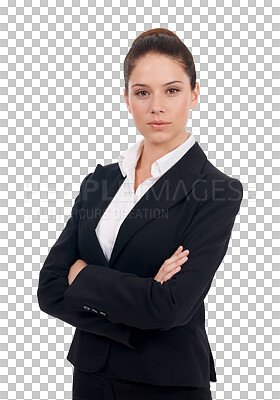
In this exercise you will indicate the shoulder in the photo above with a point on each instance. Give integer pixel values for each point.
(212, 173)
(219, 185)
(99, 173)
(113, 167)
(98, 170)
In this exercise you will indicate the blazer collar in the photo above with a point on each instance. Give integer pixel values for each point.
(128, 159)
(175, 184)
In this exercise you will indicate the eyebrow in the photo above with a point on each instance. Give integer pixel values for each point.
(168, 83)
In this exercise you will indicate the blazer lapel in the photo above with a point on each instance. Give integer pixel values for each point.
(105, 185)
(169, 189)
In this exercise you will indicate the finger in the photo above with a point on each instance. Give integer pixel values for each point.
(179, 261)
(171, 263)
(174, 267)
(171, 273)
(179, 254)
(176, 257)
(180, 248)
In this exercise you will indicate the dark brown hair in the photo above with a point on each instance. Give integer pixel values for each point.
(159, 41)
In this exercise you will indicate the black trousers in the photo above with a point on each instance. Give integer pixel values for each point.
(105, 384)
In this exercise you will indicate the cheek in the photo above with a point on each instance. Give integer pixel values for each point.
(181, 111)
(137, 110)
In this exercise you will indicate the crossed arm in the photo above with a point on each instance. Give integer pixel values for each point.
(53, 283)
(143, 302)
(137, 302)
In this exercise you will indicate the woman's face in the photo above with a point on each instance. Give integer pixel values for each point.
(151, 98)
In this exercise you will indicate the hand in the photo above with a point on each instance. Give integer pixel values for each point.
(172, 265)
(75, 269)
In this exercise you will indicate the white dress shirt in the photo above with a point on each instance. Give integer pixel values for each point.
(125, 198)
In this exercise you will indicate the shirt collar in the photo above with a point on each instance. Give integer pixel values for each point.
(128, 159)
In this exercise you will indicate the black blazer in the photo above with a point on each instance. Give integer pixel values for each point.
(156, 333)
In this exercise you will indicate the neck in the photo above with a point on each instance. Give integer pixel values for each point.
(152, 152)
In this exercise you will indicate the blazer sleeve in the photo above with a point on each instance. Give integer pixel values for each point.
(53, 282)
(146, 303)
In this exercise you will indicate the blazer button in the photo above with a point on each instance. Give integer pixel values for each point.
(103, 313)
(95, 310)
(86, 307)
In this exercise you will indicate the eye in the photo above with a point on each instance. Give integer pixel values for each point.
(144, 91)
(141, 91)
(174, 89)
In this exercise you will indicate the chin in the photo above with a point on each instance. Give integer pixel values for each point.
(158, 137)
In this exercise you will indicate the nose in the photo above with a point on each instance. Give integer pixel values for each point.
(156, 107)
(156, 103)
(157, 111)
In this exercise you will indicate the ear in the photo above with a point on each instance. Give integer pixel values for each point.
(195, 96)
(126, 101)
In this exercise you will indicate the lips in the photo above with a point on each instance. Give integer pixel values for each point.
(160, 121)
(159, 125)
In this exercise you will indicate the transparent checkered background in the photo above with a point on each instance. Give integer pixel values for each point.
(63, 112)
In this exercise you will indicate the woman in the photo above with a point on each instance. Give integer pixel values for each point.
(133, 279)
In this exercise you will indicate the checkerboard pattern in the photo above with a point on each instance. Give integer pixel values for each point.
(63, 112)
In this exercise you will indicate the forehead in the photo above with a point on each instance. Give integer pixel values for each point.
(157, 69)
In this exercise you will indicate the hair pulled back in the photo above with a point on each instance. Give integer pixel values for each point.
(159, 41)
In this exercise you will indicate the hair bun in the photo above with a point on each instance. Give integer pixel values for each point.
(157, 31)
